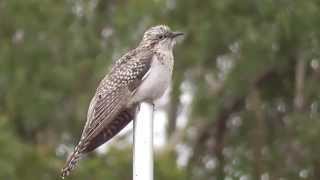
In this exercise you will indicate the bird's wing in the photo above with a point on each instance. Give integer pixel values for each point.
(114, 92)
(118, 123)
(108, 112)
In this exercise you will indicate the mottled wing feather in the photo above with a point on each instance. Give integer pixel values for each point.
(105, 113)
(119, 122)
(109, 105)
(115, 91)
(94, 128)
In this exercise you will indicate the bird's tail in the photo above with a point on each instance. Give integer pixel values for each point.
(71, 162)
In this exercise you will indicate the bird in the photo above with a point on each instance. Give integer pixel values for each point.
(141, 75)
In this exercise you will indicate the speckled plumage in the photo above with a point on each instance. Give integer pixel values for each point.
(142, 74)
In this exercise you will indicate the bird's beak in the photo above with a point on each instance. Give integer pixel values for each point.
(176, 34)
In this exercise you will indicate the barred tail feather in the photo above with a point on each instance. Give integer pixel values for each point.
(89, 144)
(71, 162)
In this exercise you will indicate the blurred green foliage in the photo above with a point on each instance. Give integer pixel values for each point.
(251, 67)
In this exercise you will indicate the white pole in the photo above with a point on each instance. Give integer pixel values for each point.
(143, 143)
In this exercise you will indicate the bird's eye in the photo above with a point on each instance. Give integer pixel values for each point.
(161, 36)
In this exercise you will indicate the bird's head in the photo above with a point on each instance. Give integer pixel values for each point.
(160, 36)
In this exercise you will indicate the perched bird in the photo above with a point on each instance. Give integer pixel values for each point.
(141, 75)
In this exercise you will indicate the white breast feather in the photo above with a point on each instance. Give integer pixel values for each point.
(156, 81)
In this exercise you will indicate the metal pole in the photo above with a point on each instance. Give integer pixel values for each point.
(143, 143)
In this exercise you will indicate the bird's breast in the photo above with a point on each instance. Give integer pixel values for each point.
(157, 79)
